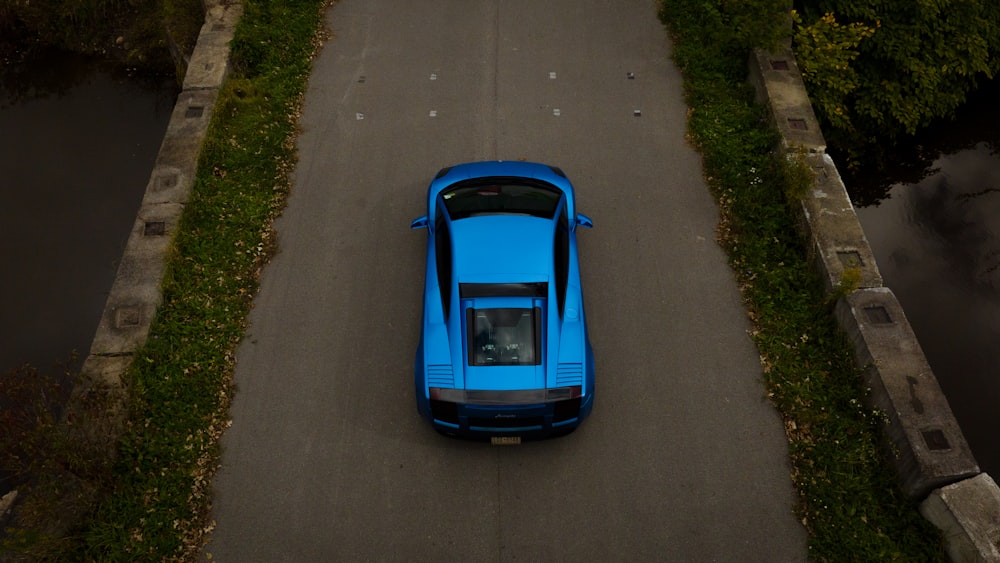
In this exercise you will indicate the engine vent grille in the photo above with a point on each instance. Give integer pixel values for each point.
(440, 375)
(569, 374)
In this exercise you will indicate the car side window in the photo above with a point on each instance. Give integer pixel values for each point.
(561, 254)
(442, 252)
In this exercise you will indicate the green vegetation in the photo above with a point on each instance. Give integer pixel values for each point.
(877, 72)
(151, 35)
(897, 65)
(59, 468)
(182, 378)
(825, 50)
(152, 502)
(851, 502)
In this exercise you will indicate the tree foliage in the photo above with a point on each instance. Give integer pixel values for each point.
(757, 23)
(877, 70)
(734, 27)
(152, 34)
(898, 64)
(825, 50)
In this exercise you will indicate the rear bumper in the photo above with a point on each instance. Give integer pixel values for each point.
(525, 421)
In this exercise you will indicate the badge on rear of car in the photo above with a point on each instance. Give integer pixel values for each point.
(505, 440)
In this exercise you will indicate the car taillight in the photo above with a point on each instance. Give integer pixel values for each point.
(446, 394)
(564, 393)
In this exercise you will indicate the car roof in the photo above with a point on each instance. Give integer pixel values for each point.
(503, 248)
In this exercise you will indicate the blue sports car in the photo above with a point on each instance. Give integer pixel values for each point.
(504, 352)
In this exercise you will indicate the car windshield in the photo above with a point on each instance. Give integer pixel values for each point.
(504, 336)
(501, 195)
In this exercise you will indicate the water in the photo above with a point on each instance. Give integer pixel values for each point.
(77, 145)
(934, 224)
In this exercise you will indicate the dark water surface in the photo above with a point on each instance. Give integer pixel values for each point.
(933, 221)
(77, 145)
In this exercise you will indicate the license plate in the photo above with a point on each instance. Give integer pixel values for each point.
(505, 440)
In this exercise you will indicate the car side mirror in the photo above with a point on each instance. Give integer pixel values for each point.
(419, 223)
(584, 221)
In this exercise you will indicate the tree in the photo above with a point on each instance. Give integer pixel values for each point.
(150, 34)
(825, 50)
(899, 64)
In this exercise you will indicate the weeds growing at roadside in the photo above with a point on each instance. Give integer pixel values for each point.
(851, 502)
(58, 467)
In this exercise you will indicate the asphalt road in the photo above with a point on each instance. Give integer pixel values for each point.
(683, 459)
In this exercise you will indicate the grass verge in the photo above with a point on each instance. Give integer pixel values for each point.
(181, 380)
(850, 500)
(153, 501)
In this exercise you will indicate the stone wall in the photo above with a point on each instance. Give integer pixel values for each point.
(922, 437)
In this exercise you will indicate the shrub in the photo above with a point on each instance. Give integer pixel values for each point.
(899, 64)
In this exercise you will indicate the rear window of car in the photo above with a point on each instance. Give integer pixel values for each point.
(508, 336)
(501, 195)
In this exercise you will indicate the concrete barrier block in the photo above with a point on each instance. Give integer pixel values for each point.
(107, 371)
(968, 513)
(135, 294)
(837, 243)
(208, 66)
(169, 184)
(223, 12)
(778, 85)
(209, 62)
(173, 174)
(190, 118)
(928, 447)
(124, 325)
(177, 161)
